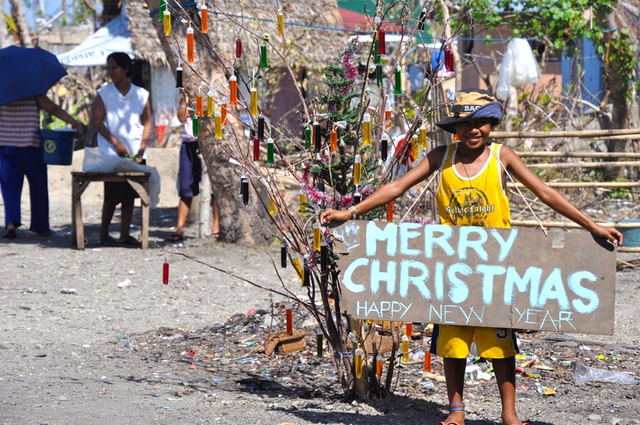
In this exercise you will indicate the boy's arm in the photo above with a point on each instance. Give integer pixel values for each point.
(552, 197)
(391, 190)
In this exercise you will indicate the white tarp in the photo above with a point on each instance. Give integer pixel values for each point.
(113, 37)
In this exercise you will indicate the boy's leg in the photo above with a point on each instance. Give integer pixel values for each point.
(215, 225)
(184, 206)
(505, 371)
(454, 373)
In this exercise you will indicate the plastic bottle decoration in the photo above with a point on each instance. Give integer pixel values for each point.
(408, 329)
(283, 255)
(254, 101)
(272, 207)
(190, 45)
(384, 146)
(333, 139)
(244, 189)
(448, 58)
(296, 265)
(414, 147)
(422, 19)
(270, 153)
(317, 236)
(317, 136)
(256, 148)
(390, 206)
(238, 48)
(179, 76)
(324, 258)
(366, 129)
(423, 137)
(398, 80)
(289, 313)
(319, 343)
(382, 35)
(307, 137)
(302, 198)
(165, 270)
(210, 103)
(162, 6)
(280, 23)
(233, 90)
(357, 170)
(306, 275)
(376, 52)
(405, 349)
(199, 105)
(166, 19)
(264, 59)
(379, 74)
(427, 362)
(379, 361)
(387, 115)
(224, 110)
(358, 360)
(204, 19)
(218, 125)
(357, 197)
(195, 125)
(261, 128)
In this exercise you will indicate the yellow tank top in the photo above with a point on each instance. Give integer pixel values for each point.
(476, 201)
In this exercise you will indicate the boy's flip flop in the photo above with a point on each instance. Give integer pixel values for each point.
(175, 238)
(130, 241)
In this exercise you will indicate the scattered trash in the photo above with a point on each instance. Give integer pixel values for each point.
(124, 283)
(168, 408)
(544, 390)
(68, 291)
(193, 366)
(583, 373)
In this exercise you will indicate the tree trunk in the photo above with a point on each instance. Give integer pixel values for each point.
(17, 12)
(3, 28)
(238, 223)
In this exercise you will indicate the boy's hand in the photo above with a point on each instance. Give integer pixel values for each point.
(612, 234)
(329, 215)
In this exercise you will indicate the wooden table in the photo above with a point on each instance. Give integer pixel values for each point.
(138, 180)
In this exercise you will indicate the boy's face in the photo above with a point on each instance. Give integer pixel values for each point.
(474, 133)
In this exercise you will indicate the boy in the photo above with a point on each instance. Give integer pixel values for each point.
(473, 172)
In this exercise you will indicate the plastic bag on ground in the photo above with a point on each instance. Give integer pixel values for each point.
(583, 373)
(98, 162)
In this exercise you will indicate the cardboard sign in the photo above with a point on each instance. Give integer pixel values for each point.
(476, 276)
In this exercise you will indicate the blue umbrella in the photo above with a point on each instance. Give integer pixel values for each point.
(26, 72)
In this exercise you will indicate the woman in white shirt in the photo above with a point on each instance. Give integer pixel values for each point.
(122, 115)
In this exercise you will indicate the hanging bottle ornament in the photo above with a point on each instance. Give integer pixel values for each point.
(233, 90)
(384, 146)
(405, 349)
(210, 103)
(358, 361)
(179, 77)
(307, 137)
(408, 328)
(162, 6)
(204, 19)
(398, 80)
(165, 270)
(166, 20)
(283, 255)
(390, 206)
(382, 35)
(238, 48)
(306, 275)
(376, 52)
(357, 170)
(379, 361)
(422, 19)
(280, 23)
(261, 128)
(199, 105)
(387, 115)
(414, 147)
(302, 200)
(448, 58)
(319, 343)
(264, 59)
(317, 136)
(366, 129)
(317, 236)
(195, 121)
(218, 125)
(190, 45)
(289, 315)
(244, 189)
(423, 137)
(357, 197)
(253, 94)
(379, 74)
(324, 258)
(333, 139)
(224, 110)
(296, 265)
(270, 152)
(272, 207)
(256, 149)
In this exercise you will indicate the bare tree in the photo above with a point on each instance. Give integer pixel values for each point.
(17, 12)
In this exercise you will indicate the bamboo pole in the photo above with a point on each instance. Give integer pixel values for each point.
(580, 184)
(550, 134)
(586, 164)
(572, 225)
(578, 154)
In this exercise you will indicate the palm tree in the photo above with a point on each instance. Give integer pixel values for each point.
(17, 12)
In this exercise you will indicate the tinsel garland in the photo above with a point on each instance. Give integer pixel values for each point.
(324, 198)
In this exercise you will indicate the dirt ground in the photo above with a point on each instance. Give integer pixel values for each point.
(93, 336)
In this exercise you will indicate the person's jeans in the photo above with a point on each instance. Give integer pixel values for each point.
(15, 164)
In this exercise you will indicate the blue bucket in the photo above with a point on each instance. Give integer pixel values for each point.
(57, 146)
(631, 235)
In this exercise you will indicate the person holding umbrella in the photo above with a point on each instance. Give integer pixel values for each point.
(22, 96)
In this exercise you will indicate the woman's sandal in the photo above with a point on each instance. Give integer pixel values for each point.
(109, 242)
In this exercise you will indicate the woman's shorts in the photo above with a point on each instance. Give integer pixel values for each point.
(454, 341)
(189, 171)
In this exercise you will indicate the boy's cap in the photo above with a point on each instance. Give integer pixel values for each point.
(471, 104)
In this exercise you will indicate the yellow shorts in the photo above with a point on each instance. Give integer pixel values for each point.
(454, 341)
